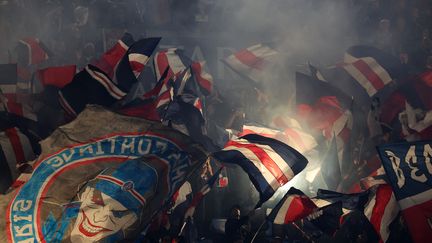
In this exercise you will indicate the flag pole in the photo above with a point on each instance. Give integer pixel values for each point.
(258, 230)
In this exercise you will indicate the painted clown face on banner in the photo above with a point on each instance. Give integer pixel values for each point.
(100, 216)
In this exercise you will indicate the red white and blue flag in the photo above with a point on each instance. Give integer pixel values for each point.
(251, 62)
(409, 171)
(177, 62)
(202, 77)
(170, 59)
(294, 137)
(110, 59)
(294, 206)
(382, 209)
(269, 163)
(93, 86)
(133, 62)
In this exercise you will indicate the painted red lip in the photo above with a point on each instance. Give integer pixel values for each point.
(87, 233)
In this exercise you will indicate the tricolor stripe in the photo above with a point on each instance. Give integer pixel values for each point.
(251, 61)
(368, 73)
(292, 207)
(110, 59)
(203, 78)
(106, 82)
(168, 59)
(269, 163)
(260, 157)
(381, 210)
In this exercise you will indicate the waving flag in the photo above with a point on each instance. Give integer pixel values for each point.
(294, 137)
(353, 201)
(171, 59)
(408, 169)
(57, 76)
(381, 210)
(365, 72)
(269, 163)
(200, 195)
(363, 64)
(203, 78)
(251, 62)
(177, 62)
(90, 86)
(133, 62)
(129, 165)
(110, 59)
(93, 86)
(293, 206)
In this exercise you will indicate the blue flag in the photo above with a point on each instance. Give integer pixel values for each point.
(409, 170)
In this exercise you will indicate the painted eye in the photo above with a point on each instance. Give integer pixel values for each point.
(119, 214)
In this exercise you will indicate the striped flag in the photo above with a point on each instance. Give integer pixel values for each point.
(369, 68)
(408, 169)
(294, 137)
(170, 59)
(203, 78)
(251, 62)
(110, 59)
(294, 206)
(133, 62)
(381, 210)
(176, 62)
(200, 195)
(269, 163)
(90, 86)
(93, 86)
(372, 68)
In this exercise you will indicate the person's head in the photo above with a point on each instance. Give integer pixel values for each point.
(235, 212)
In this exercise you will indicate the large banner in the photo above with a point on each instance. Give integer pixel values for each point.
(98, 190)
(409, 169)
